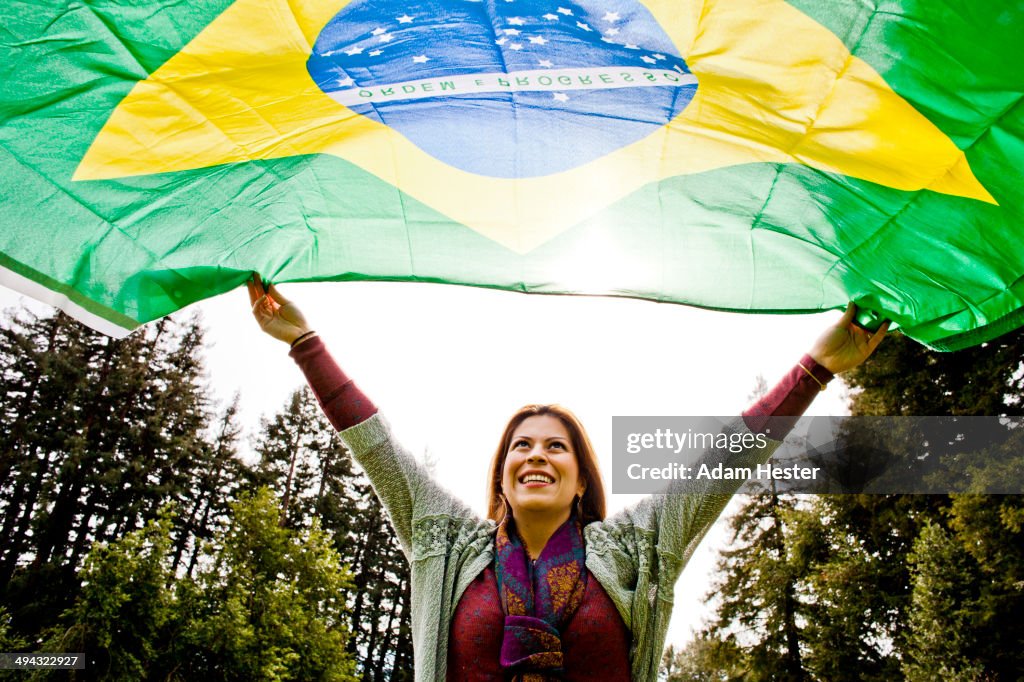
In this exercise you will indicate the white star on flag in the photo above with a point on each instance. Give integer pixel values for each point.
(659, 57)
(538, 40)
(515, 46)
(566, 12)
(551, 17)
(561, 96)
(353, 51)
(512, 31)
(386, 37)
(612, 32)
(345, 82)
(583, 26)
(546, 63)
(648, 60)
(631, 46)
(611, 17)
(501, 41)
(420, 59)
(405, 19)
(374, 53)
(377, 31)
(516, 21)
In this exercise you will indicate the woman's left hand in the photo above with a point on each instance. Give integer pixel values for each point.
(845, 345)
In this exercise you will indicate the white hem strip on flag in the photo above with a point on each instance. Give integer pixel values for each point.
(539, 80)
(24, 285)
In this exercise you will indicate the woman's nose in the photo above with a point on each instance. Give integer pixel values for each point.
(537, 453)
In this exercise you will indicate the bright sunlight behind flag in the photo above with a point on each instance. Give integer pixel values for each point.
(761, 156)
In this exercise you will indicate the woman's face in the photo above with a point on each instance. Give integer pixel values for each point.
(541, 474)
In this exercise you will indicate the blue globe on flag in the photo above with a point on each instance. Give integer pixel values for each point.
(505, 88)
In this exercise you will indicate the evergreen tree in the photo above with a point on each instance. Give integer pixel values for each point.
(759, 590)
(269, 604)
(707, 658)
(303, 459)
(905, 378)
(97, 434)
(893, 538)
(126, 616)
(216, 483)
(941, 642)
(853, 549)
(926, 587)
(966, 592)
(43, 379)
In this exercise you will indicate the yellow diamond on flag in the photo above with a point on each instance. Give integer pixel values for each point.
(772, 86)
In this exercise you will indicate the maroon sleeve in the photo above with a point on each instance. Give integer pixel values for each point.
(341, 400)
(777, 412)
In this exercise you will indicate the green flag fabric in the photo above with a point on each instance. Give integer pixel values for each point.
(765, 156)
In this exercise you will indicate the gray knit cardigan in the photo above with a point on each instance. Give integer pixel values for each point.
(636, 555)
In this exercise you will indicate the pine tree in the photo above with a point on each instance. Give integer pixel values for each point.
(854, 550)
(867, 578)
(890, 585)
(895, 537)
(97, 435)
(126, 616)
(759, 591)
(43, 378)
(707, 658)
(296, 446)
(905, 378)
(272, 604)
(303, 459)
(268, 604)
(215, 484)
(942, 641)
(966, 592)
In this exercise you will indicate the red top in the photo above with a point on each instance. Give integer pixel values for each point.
(596, 642)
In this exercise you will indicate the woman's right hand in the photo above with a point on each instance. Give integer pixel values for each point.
(275, 314)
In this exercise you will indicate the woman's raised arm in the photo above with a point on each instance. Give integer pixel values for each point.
(404, 487)
(339, 397)
(658, 535)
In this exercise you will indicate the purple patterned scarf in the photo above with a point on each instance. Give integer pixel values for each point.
(539, 598)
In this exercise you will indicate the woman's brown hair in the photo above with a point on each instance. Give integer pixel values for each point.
(591, 504)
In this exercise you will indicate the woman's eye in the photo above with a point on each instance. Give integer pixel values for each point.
(558, 445)
(520, 443)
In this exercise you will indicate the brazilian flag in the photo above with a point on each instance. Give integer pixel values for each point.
(746, 155)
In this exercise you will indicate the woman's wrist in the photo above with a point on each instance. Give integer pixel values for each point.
(302, 338)
(816, 370)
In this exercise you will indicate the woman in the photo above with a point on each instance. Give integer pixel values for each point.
(545, 588)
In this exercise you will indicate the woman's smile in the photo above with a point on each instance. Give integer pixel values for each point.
(536, 479)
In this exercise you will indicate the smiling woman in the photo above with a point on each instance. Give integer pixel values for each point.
(544, 467)
(546, 588)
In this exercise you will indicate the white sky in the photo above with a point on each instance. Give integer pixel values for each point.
(448, 366)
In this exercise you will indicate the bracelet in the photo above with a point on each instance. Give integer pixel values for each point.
(808, 372)
(302, 337)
